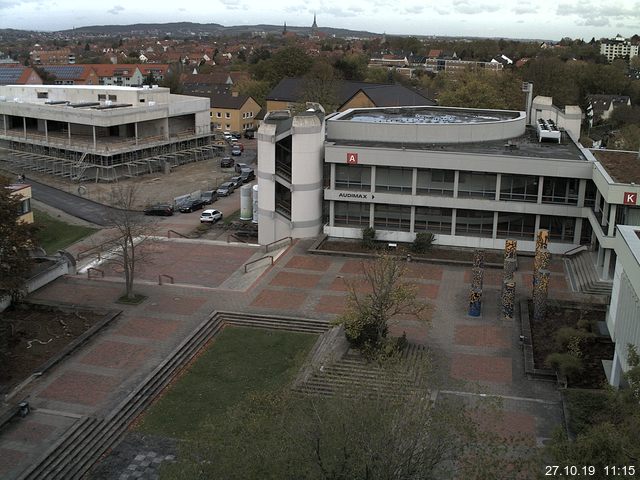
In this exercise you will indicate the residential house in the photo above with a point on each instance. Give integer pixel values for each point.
(290, 92)
(61, 56)
(233, 113)
(618, 47)
(16, 74)
(71, 74)
(23, 191)
(600, 107)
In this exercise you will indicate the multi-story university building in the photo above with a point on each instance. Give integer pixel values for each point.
(90, 132)
(618, 47)
(472, 177)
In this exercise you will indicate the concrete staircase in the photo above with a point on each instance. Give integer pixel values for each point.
(71, 457)
(353, 374)
(583, 276)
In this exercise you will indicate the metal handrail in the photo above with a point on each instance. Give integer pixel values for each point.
(164, 275)
(81, 253)
(574, 250)
(177, 233)
(267, 246)
(255, 261)
(90, 269)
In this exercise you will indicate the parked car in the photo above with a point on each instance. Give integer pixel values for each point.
(237, 181)
(225, 189)
(210, 216)
(226, 162)
(236, 152)
(209, 197)
(240, 166)
(236, 135)
(227, 135)
(235, 143)
(249, 134)
(191, 205)
(247, 175)
(159, 209)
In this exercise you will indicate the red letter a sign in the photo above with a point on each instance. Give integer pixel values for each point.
(352, 158)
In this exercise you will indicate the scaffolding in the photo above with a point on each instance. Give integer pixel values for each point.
(83, 165)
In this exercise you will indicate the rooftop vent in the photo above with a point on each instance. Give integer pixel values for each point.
(547, 130)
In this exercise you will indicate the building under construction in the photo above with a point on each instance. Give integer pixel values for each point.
(101, 133)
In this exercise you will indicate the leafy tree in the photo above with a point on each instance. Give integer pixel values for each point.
(321, 85)
(16, 239)
(366, 317)
(423, 242)
(369, 237)
(173, 78)
(352, 67)
(377, 75)
(290, 61)
(478, 89)
(258, 89)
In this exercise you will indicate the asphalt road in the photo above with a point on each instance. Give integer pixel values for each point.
(73, 205)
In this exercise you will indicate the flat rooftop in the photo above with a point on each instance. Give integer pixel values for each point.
(622, 167)
(428, 115)
(87, 87)
(526, 145)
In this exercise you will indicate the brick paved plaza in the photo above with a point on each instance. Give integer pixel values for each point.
(475, 355)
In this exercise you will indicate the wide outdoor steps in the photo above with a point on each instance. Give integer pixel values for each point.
(353, 374)
(583, 276)
(89, 438)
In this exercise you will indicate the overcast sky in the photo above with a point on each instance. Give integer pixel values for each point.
(547, 19)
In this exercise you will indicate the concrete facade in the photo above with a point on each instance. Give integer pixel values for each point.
(623, 316)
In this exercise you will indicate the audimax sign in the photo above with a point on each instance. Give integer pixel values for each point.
(361, 196)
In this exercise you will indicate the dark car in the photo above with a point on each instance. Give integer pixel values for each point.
(237, 181)
(236, 135)
(226, 162)
(240, 166)
(249, 133)
(159, 209)
(191, 205)
(209, 197)
(247, 175)
(236, 152)
(225, 189)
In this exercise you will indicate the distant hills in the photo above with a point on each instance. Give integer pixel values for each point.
(181, 29)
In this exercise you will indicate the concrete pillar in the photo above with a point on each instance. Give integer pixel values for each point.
(606, 265)
(453, 221)
(135, 129)
(456, 180)
(612, 220)
(332, 180)
(498, 186)
(166, 129)
(414, 181)
(600, 257)
(494, 231)
(582, 190)
(4, 122)
(69, 132)
(412, 227)
(24, 126)
(540, 188)
(536, 225)
(332, 212)
(371, 214)
(46, 130)
(616, 371)
(373, 179)
(577, 232)
(605, 213)
(93, 131)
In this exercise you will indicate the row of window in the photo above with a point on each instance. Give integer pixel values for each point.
(228, 115)
(519, 188)
(476, 223)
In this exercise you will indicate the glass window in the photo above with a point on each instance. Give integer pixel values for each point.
(351, 214)
(433, 219)
(353, 177)
(477, 223)
(394, 179)
(519, 188)
(477, 185)
(560, 190)
(561, 229)
(435, 182)
(516, 225)
(227, 115)
(590, 194)
(392, 217)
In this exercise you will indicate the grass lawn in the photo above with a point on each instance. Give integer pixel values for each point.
(54, 234)
(240, 362)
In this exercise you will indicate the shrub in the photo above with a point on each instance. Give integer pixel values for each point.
(569, 338)
(423, 242)
(369, 237)
(565, 364)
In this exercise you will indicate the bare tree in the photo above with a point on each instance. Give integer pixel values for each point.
(367, 314)
(132, 230)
